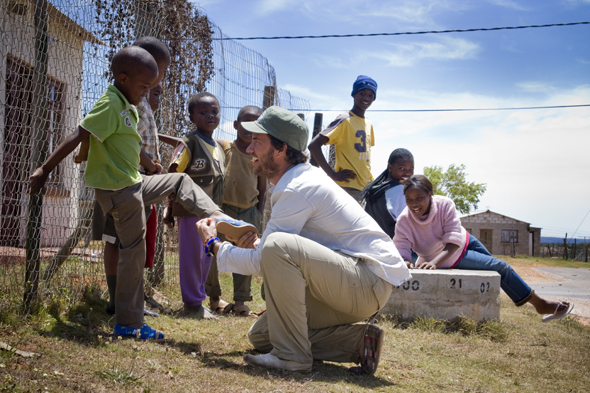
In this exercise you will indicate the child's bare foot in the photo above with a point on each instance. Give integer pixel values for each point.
(199, 311)
(561, 310)
(552, 310)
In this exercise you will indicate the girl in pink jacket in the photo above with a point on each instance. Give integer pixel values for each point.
(430, 226)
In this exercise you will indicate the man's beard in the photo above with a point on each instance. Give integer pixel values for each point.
(266, 165)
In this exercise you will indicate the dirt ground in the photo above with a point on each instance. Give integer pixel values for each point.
(533, 275)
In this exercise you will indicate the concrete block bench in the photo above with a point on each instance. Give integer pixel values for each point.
(446, 294)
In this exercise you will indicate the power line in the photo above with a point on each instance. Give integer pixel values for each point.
(581, 223)
(402, 33)
(434, 110)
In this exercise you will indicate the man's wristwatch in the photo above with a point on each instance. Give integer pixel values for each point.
(210, 245)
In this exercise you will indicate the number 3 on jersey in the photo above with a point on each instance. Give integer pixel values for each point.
(362, 146)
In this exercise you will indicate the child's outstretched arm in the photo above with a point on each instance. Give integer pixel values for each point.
(151, 167)
(38, 178)
(169, 140)
(315, 148)
(438, 260)
(82, 154)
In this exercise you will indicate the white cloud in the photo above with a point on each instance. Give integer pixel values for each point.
(308, 94)
(509, 4)
(447, 48)
(535, 87)
(402, 55)
(530, 160)
(270, 6)
(405, 12)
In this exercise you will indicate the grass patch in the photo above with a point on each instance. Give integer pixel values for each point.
(493, 330)
(120, 375)
(519, 353)
(542, 262)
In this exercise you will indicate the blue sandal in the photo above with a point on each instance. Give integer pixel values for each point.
(234, 229)
(143, 333)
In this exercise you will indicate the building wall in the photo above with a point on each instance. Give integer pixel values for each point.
(496, 222)
(65, 58)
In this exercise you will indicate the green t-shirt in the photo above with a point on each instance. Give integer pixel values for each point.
(113, 157)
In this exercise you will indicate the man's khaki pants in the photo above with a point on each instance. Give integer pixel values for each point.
(127, 207)
(314, 296)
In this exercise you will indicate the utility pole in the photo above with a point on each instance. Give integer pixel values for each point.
(317, 127)
(39, 147)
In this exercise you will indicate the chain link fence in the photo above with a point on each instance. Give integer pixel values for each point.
(54, 64)
(573, 251)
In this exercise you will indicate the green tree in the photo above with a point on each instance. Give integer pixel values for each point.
(452, 184)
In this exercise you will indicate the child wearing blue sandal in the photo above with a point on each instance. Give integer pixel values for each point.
(112, 170)
(430, 226)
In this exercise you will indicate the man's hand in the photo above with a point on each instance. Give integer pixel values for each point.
(409, 264)
(37, 180)
(345, 175)
(427, 265)
(78, 157)
(158, 170)
(207, 228)
(249, 240)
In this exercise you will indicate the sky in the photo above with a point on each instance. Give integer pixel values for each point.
(535, 163)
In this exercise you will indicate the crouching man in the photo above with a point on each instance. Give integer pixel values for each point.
(326, 264)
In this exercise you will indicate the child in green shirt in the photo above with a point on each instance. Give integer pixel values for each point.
(113, 161)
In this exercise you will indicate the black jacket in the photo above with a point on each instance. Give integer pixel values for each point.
(375, 204)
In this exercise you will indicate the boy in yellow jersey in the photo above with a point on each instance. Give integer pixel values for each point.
(352, 137)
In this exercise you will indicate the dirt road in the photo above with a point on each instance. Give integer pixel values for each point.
(557, 283)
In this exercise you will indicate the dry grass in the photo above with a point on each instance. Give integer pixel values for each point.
(543, 262)
(517, 354)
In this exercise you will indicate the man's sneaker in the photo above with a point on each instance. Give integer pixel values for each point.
(271, 361)
(234, 229)
(143, 333)
(370, 351)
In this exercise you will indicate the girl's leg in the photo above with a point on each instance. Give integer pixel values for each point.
(477, 257)
(510, 281)
(476, 245)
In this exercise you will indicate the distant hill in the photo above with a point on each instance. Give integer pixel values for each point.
(559, 240)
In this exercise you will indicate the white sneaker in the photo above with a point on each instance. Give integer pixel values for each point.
(271, 361)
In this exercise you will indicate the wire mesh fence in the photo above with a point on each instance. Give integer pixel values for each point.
(573, 251)
(54, 63)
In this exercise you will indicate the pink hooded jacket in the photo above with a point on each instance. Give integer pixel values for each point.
(428, 236)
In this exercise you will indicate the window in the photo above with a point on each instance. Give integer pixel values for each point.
(56, 128)
(469, 230)
(20, 119)
(509, 236)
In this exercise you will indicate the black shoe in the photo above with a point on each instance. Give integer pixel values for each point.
(110, 310)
